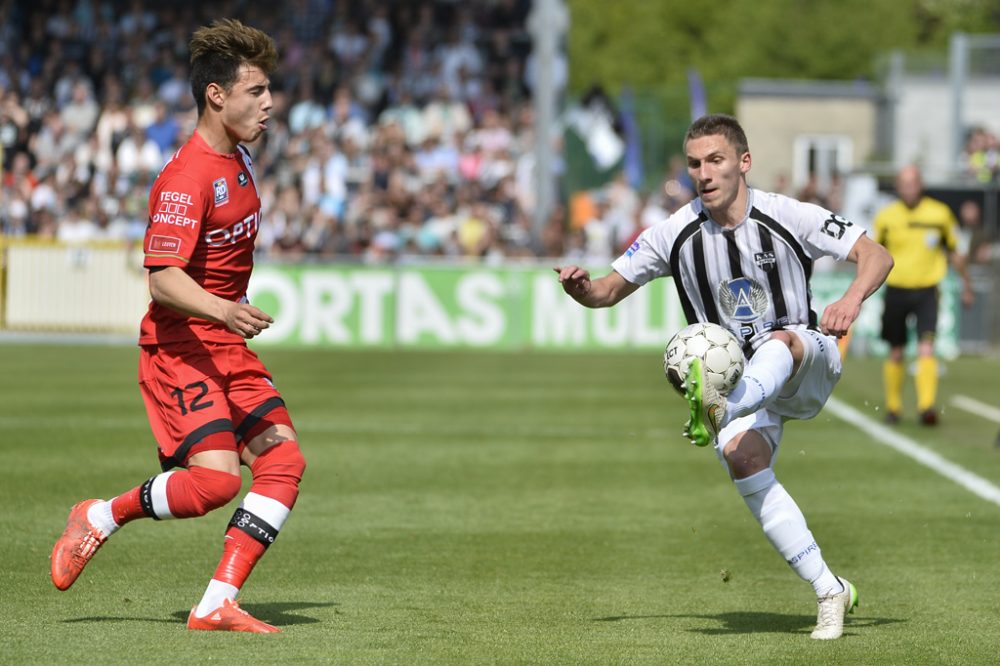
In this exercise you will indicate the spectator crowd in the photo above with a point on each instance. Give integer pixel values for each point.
(398, 128)
(981, 155)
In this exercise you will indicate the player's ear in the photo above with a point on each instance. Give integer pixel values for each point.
(215, 94)
(745, 162)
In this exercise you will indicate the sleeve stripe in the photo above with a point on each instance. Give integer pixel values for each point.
(166, 256)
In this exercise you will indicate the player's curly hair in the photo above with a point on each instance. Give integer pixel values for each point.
(219, 50)
(719, 124)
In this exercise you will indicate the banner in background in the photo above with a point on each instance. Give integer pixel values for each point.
(437, 307)
(49, 287)
(501, 308)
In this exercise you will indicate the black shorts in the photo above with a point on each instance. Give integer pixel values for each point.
(900, 304)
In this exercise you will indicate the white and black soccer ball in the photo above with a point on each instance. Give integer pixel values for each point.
(720, 353)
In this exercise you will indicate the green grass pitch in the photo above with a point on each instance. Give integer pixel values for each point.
(476, 508)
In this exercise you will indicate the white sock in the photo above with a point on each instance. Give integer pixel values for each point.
(215, 594)
(785, 527)
(765, 375)
(100, 516)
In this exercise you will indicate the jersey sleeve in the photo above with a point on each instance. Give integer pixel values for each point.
(176, 210)
(826, 234)
(643, 260)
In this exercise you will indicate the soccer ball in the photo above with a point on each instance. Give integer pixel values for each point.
(719, 350)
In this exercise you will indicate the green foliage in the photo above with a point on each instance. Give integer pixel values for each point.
(651, 44)
(464, 508)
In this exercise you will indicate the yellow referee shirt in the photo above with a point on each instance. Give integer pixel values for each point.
(919, 240)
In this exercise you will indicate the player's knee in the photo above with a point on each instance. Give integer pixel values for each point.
(283, 460)
(785, 337)
(213, 488)
(278, 471)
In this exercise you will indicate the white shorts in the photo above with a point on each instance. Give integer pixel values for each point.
(802, 397)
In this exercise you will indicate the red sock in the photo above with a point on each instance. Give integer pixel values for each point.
(239, 555)
(276, 476)
(184, 493)
(126, 507)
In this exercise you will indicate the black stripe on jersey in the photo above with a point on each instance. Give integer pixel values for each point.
(734, 254)
(198, 434)
(773, 275)
(704, 286)
(786, 235)
(675, 267)
(800, 254)
(254, 417)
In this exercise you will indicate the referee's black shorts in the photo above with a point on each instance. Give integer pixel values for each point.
(900, 304)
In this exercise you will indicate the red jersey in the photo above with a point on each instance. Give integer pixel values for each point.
(204, 211)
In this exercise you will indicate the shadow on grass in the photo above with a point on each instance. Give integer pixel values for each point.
(756, 623)
(279, 613)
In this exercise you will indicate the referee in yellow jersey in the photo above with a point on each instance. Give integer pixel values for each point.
(920, 234)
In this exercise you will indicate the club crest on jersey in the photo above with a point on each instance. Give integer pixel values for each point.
(765, 260)
(742, 299)
(242, 179)
(221, 191)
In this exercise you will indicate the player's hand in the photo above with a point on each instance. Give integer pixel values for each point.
(839, 316)
(575, 281)
(246, 320)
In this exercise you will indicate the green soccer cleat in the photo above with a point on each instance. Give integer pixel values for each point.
(706, 404)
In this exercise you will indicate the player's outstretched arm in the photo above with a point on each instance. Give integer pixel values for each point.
(874, 263)
(172, 287)
(601, 292)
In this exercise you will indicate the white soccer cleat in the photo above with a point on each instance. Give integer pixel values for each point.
(832, 608)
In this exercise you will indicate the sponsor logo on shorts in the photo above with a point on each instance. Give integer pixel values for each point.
(164, 244)
(221, 191)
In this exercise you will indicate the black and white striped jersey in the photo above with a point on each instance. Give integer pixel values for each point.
(751, 279)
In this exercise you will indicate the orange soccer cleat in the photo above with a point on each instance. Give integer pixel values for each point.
(76, 546)
(230, 617)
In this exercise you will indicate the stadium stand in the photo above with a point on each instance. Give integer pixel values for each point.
(399, 129)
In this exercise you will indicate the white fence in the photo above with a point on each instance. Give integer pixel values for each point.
(61, 288)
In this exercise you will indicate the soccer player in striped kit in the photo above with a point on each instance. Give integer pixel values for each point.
(211, 403)
(742, 258)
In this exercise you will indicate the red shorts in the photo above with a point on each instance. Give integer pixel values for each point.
(202, 396)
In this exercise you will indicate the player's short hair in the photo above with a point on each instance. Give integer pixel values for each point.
(219, 50)
(719, 124)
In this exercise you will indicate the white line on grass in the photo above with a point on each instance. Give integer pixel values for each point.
(973, 406)
(975, 484)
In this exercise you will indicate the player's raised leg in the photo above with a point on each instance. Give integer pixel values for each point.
(174, 494)
(770, 368)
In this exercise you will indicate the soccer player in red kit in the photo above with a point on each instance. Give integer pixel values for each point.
(210, 400)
